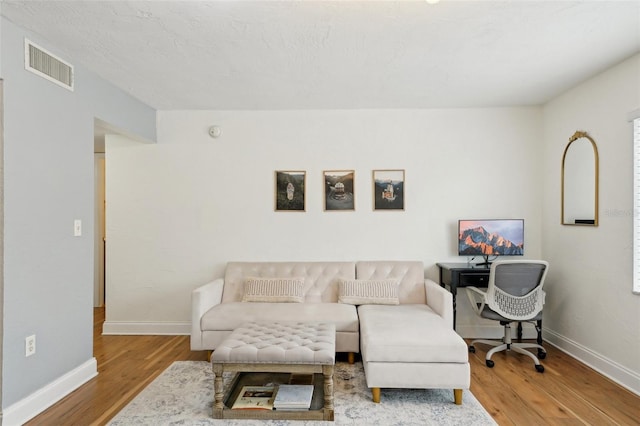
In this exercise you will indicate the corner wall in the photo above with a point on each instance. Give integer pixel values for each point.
(202, 202)
(590, 311)
(48, 183)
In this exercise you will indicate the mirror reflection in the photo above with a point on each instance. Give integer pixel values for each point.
(580, 181)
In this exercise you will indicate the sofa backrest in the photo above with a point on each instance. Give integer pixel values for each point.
(320, 278)
(410, 274)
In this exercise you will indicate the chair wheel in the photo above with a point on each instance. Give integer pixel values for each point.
(489, 363)
(542, 354)
(472, 349)
(540, 368)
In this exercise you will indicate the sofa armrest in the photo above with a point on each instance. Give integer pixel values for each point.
(440, 300)
(203, 298)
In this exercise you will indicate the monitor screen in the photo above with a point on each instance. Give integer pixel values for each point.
(492, 237)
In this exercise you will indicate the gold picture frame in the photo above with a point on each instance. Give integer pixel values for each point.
(290, 187)
(388, 189)
(339, 190)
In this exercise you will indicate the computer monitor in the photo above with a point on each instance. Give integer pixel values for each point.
(491, 237)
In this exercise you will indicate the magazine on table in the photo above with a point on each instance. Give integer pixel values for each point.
(293, 397)
(255, 398)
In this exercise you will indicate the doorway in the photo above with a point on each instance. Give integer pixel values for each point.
(100, 236)
(102, 132)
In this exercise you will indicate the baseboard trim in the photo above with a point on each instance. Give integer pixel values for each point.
(146, 328)
(29, 407)
(603, 365)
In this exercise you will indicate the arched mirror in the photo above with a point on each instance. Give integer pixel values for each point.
(580, 181)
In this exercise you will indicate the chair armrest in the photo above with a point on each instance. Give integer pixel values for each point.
(203, 298)
(440, 300)
(477, 297)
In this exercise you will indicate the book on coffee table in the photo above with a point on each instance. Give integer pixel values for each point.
(293, 397)
(255, 398)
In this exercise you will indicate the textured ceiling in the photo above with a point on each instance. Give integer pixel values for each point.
(336, 54)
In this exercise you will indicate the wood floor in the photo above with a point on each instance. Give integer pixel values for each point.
(567, 393)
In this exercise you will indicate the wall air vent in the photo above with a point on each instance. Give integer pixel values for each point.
(39, 61)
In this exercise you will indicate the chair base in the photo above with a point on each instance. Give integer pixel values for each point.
(507, 345)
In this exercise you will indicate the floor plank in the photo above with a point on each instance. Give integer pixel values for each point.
(567, 393)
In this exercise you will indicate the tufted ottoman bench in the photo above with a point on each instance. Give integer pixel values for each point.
(282, 347)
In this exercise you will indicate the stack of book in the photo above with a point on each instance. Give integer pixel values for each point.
(293, 397)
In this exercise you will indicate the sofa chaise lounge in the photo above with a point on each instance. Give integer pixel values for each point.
(405, 337)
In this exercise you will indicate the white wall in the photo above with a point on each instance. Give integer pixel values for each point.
(181, 209)
(590, 310)
(178, 210)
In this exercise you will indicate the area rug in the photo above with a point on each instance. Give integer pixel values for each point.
(183, 395)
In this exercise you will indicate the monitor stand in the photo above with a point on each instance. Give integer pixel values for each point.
(486, 261)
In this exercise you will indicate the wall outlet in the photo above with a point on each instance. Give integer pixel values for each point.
(30, 345)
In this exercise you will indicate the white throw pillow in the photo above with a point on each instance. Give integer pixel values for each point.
(274, 290)
(369, 292)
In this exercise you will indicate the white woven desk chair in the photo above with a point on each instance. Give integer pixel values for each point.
(514, 294)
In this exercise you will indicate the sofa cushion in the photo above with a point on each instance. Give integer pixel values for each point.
(229, 316)
(274, 290)
(365, 292)
(320, 278)
(410, 274)
(408, 333)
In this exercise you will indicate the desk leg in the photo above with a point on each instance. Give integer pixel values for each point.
(519, 331)
(454, 294)
(539, 330)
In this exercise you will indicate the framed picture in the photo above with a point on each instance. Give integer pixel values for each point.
(339, 190)
(388, 190)
(290, 190)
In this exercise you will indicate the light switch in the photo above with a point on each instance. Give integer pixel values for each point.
(77, 228)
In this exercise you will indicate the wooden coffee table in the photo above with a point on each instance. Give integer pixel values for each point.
(253, 351)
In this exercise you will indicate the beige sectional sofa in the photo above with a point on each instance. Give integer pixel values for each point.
(399, 322)
(218, 309)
